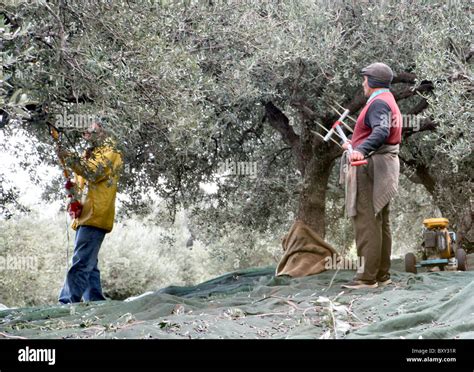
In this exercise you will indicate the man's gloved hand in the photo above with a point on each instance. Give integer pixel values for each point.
(74, 209)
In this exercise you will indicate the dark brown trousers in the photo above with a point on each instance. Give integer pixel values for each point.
(372, 232)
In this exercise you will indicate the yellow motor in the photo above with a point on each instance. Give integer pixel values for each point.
(439, 248)
(433, 223)
(436, 237)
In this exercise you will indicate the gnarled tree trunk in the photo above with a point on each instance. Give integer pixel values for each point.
(312, 202)
(314, 159)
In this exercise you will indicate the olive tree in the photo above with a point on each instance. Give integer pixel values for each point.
(186, 86)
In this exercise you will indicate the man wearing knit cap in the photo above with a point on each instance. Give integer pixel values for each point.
(369, 188)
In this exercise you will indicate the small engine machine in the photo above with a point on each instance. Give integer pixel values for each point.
(438, 249)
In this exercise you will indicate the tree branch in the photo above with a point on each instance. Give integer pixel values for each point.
(468, 55)
(404, 77)
(421, 106)
(357, 102)
(280, 122)
(427, 124)
(409, 92)
(421, 174)
(302, 68)
(274, 157)
(424, 125)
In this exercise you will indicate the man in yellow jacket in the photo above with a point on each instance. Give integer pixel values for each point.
(96, 176)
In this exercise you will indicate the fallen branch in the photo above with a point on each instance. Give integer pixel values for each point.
(13, 337)
(332, 279)
(270, 314)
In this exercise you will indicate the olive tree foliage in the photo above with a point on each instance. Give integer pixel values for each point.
(186, 86)
(442, 159)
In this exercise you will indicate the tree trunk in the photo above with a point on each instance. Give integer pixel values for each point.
(312, 202)
(314, 159)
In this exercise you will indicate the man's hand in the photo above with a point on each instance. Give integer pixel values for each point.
(356, 155)
(345, 145)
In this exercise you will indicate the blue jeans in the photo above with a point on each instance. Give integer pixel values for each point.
(83, 278)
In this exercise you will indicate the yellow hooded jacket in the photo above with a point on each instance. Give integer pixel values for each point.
(96, 179)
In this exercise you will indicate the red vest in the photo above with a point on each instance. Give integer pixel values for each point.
(362, 131)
